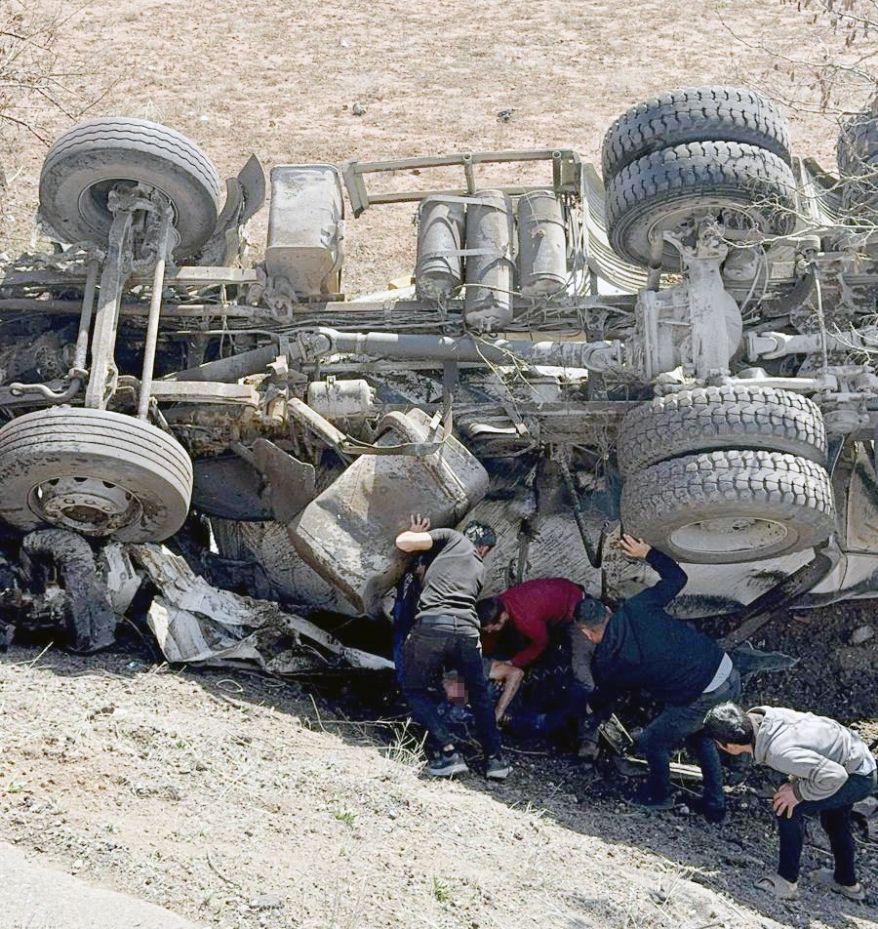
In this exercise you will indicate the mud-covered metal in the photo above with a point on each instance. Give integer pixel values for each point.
(522, 339)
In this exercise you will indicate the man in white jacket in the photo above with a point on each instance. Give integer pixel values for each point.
(830, 769)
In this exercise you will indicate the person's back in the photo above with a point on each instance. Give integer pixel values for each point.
(453, 580)
(646, 648)
(818, 751)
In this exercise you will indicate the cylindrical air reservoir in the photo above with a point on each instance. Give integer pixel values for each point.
(348, 399)
(490, 265)
(542, 244)
(439, 268)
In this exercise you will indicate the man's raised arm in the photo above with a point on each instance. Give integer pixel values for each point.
(417, 537)
(672, 577)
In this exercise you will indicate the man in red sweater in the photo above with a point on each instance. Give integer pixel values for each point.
(533, 609)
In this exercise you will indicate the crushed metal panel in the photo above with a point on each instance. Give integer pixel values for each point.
(195, 622)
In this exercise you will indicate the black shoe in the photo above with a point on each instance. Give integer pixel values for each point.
(498, 768)
(646, 801)
(447, 765)
(712, 812)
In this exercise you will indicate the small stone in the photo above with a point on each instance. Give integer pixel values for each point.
(358, 109)
(266, 902)
(862, 634)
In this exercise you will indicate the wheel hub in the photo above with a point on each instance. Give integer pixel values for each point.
(85, 504)
(728, 534)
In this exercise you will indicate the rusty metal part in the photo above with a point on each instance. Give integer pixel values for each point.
(347, 533)
(80, 357)
(599, 356)
(566, 175)
(164, 248)
(228, 370)
(115, 273)
(595, 555)
(291, 483)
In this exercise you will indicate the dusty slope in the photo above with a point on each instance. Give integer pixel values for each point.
(280, 79)
(233, 802)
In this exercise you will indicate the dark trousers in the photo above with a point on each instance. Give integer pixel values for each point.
(835, 817)
(573, 705)
(431, 648)
(678, 724)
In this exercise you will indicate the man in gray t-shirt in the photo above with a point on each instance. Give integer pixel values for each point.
(446, 636)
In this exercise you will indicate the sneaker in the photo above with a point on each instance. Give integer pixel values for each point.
(779, 887)
(826, 878)
(646, 801)
(498, 768)
(447, 765)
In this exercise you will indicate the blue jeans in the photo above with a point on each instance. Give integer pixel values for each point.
(678, 724)
(427, 652)
(835, 817)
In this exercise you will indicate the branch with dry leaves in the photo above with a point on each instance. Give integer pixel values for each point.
(33, 82)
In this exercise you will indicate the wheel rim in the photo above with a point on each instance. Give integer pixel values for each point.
(725, 535)
(93, 201)
(88, 505)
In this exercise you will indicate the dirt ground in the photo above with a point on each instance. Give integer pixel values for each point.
(237, 801)
(281, 79)
(241, 802)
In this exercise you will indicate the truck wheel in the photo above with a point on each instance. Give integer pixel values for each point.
(708, 418)
(84, 164)
(694, 114)
(744, 186)
(857, 154)
(97, 472)
(724, 507)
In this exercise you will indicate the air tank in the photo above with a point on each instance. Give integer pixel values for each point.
(490, 265)
(439, 268)
(542, 244)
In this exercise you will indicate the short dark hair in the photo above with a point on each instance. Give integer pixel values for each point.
(489, 611)
(590, 612)
(729, 723)
(480, 534)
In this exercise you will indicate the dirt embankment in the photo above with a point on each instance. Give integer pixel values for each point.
(240, 803)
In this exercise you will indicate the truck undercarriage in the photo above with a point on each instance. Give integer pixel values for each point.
(682, 347)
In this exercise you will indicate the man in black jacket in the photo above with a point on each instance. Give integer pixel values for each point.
(641, 647)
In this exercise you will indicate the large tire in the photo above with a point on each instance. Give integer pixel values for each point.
(708, 418)
(730, 506)
(857, 155)
(657, 192)
(88, 159)
(694, 114)
(100, 473)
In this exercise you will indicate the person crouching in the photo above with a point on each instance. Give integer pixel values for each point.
(830, 769)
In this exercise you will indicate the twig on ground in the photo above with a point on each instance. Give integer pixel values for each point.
(33, 661)
(219, 873)
(317, 713)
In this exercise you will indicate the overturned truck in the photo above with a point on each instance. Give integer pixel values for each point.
(681, 346)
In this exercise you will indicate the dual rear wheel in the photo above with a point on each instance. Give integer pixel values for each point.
(724, 475)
